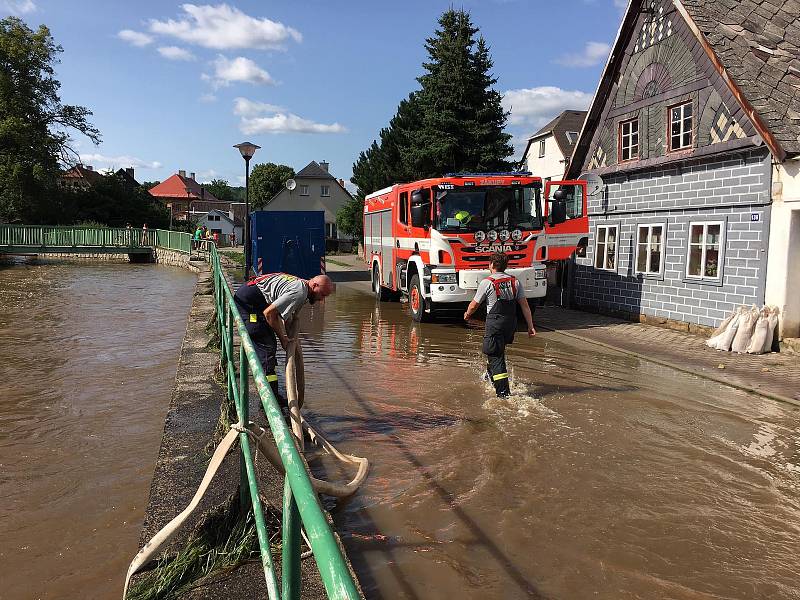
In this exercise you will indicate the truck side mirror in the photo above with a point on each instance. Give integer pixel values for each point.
(558, 208)
(420, 214)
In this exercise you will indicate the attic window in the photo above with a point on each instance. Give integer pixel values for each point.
(572, 136)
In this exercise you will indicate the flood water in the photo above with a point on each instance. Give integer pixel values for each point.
(88, 354)
(603, 476)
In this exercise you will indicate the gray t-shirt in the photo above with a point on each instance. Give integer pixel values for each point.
(286, 293)
(487, 292)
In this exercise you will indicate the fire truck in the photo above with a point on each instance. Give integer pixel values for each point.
(431, 240)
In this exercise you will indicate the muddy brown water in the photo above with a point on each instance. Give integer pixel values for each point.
(88, 354)
(603, 476)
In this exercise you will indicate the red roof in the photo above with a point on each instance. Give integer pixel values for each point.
(180, 187)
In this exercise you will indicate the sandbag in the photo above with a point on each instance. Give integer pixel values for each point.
(774, 313)
(760, 333)
(724, 340)
(724, 325)
(745, 331)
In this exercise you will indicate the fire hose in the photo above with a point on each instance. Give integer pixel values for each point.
(295, 391)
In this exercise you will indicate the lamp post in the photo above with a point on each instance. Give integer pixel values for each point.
(247, 150)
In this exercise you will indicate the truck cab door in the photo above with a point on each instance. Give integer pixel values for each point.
(566, 218)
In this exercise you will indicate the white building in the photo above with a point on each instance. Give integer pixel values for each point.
(549, 149)
(223, 223)
(316, 189)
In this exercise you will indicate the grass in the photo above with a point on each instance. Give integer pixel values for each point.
(222, 541)
(237, 257)
(338, 263)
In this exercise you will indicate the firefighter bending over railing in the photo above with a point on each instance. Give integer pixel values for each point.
(502, 293)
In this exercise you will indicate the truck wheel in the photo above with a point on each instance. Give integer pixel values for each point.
(416, 300)
(380, 292)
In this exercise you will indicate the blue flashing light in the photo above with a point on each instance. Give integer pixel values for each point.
(509, 174)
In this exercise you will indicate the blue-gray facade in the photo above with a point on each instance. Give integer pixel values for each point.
(731, 190)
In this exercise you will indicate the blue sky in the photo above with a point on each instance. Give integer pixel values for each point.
(174, 86)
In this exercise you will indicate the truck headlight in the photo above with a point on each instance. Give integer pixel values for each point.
(444, 278)
(540, 274)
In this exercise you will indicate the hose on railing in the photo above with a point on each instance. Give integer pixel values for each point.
(295, 386)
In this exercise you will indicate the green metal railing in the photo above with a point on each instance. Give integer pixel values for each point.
(300, 501)
(301, 505)
(43, 238)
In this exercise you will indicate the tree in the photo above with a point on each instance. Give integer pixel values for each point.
(350, 218)
(34, 125)
(149, 185)
(453, 123)
(266, 180)
(220, 189)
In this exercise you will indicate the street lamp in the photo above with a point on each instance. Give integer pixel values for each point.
(247, 149)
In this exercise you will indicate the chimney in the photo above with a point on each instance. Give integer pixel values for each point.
(202, 192)
(324, 165)
(129, 171)
(182, 173)
(89, 168)
(341, 182)
(191, 176)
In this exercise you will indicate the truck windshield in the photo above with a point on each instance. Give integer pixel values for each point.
(474, 208)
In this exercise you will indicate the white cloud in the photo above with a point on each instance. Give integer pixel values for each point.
(242, 107)
(118, 162)
(286, 123)
(242, 69)
(207, 98)
(534, 107)
(135, 38)
(280, 120)
(225, 27)
(623, 4)
(594, 53)
(17, 7)
(175, 53)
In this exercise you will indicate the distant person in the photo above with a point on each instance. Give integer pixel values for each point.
(233, 238)
(198, 233)
(267, 304)
(502, 293)
(215, 236)
(144, 234)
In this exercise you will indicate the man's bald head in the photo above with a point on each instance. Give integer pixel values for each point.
(320, 287)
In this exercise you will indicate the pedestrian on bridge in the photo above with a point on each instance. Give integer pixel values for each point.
(267, 304)
(502, 293)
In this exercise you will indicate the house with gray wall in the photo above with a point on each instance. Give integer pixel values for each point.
(686, 135)
(315, 189)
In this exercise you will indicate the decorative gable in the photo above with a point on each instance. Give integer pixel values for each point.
(655, 29)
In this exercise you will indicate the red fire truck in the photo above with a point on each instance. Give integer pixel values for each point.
(431, 240)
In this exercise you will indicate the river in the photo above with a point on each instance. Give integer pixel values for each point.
(603, 476)
(88, 354)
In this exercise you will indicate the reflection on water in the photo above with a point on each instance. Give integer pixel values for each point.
(87, 363)
(602, 476)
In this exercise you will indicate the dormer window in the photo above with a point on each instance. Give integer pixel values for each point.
(572, 137)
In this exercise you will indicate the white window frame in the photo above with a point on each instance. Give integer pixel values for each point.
(324, 190)
(720, 248)
(615, 227)
(632, 155)
(572, 136)
(649, 227)
(304, 190)
(542, 148)
(682, 130)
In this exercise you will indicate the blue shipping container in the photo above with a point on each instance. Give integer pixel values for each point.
(288, 241)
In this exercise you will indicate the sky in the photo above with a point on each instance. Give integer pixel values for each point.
(175, 85)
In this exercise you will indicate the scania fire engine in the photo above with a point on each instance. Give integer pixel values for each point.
(431, 240)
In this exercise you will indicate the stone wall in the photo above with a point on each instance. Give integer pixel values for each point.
(173, 258)
(733, 190)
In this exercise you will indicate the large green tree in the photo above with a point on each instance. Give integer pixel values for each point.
(220, 189)
(453, 123)
(266, 180)
(34, 125)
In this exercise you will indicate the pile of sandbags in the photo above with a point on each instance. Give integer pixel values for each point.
(746, 330)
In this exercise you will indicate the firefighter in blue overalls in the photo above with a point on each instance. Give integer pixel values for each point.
(267, 304)
(502, 293)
